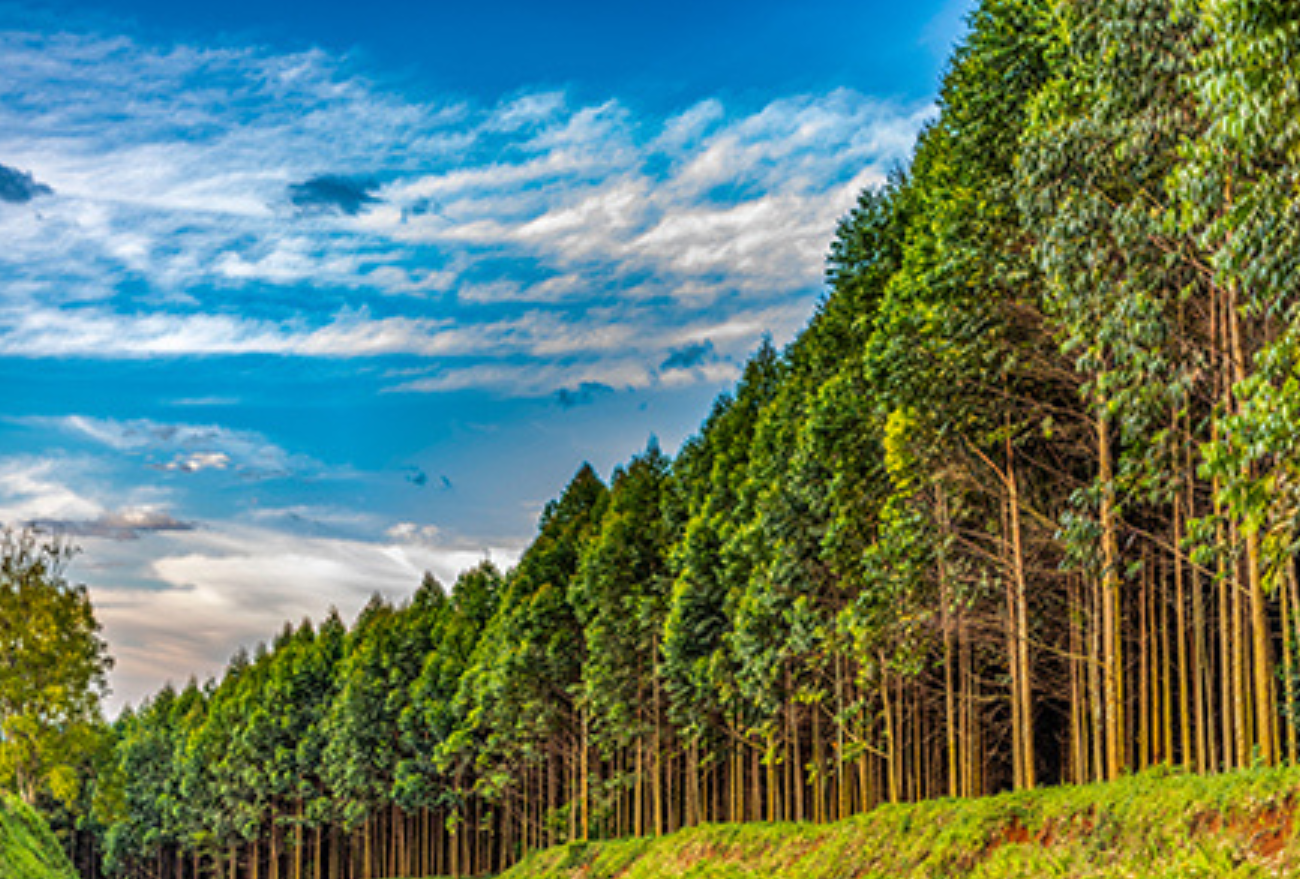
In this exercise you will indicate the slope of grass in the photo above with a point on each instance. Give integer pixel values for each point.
(28, 850)
(1159, 823)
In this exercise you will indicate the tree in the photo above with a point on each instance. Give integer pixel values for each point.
(622, 594)
(52, 667)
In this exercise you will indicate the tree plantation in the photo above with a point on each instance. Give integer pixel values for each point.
(1018, 507)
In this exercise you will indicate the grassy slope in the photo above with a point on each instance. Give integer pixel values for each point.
(28, 850)
(1155, 824)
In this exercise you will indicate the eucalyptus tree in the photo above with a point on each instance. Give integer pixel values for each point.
(155, 819)
(699, 664)
(384, 656)
(442, 763)
(1236, 191)
(621, 595)
(1126, 297)
(517, 711)
(961, 355)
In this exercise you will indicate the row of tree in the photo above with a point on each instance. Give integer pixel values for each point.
(1019, 506)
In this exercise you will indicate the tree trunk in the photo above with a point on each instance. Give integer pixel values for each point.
(1112, 645)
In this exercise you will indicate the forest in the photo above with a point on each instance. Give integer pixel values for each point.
(1018, 507)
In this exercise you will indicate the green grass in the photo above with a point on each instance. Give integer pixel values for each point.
(1159, 823)
(28, 850)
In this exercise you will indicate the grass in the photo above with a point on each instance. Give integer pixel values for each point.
(28, 850)
(1158, 823)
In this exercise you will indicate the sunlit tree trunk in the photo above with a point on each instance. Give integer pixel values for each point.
(1112, 644)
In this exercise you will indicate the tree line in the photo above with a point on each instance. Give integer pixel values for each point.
(1018, 506)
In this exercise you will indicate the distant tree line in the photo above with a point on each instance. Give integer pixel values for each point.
(1018, 507)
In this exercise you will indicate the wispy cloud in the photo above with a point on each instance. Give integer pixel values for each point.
(47, 487)
(128, 524)
(185, 448)
(189, 221)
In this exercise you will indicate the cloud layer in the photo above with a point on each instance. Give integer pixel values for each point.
(180, 219)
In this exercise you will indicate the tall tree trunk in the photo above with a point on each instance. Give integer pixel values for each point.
(1024, 676)
(1166, 671)
(1112, 643)
(1144, 673)
(948, 621)
(891, 746)
(1261, 663)
(1182, 632)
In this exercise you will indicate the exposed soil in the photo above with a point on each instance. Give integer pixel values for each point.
(1264, 833)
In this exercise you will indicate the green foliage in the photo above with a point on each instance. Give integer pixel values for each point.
(621, 597)
(1237, 189)
(52, 669)
(500, 699)
(709, 572)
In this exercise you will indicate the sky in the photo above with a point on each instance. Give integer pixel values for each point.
(299, 301)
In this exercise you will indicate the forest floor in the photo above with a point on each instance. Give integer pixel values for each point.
(28, 850)
(1157, 823)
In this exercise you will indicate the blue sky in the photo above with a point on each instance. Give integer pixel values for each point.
(302, 300)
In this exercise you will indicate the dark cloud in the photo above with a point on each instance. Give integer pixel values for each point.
(585, 393)
(332, 194)
(419, 478)
(690, 356)
(19, 187)
(421, 208)
(119, 525)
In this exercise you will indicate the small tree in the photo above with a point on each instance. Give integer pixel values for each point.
(53, 667)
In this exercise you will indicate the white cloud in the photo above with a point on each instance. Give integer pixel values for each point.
(77, 495)
(190, 448)
(41, 488)
(713, 212)
(196, 462)
(208, 592)
(420, 535)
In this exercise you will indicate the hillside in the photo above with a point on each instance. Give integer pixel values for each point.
(1153, 824)
(28, 850)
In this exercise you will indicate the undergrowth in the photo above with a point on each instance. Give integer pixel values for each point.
(28, 849)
